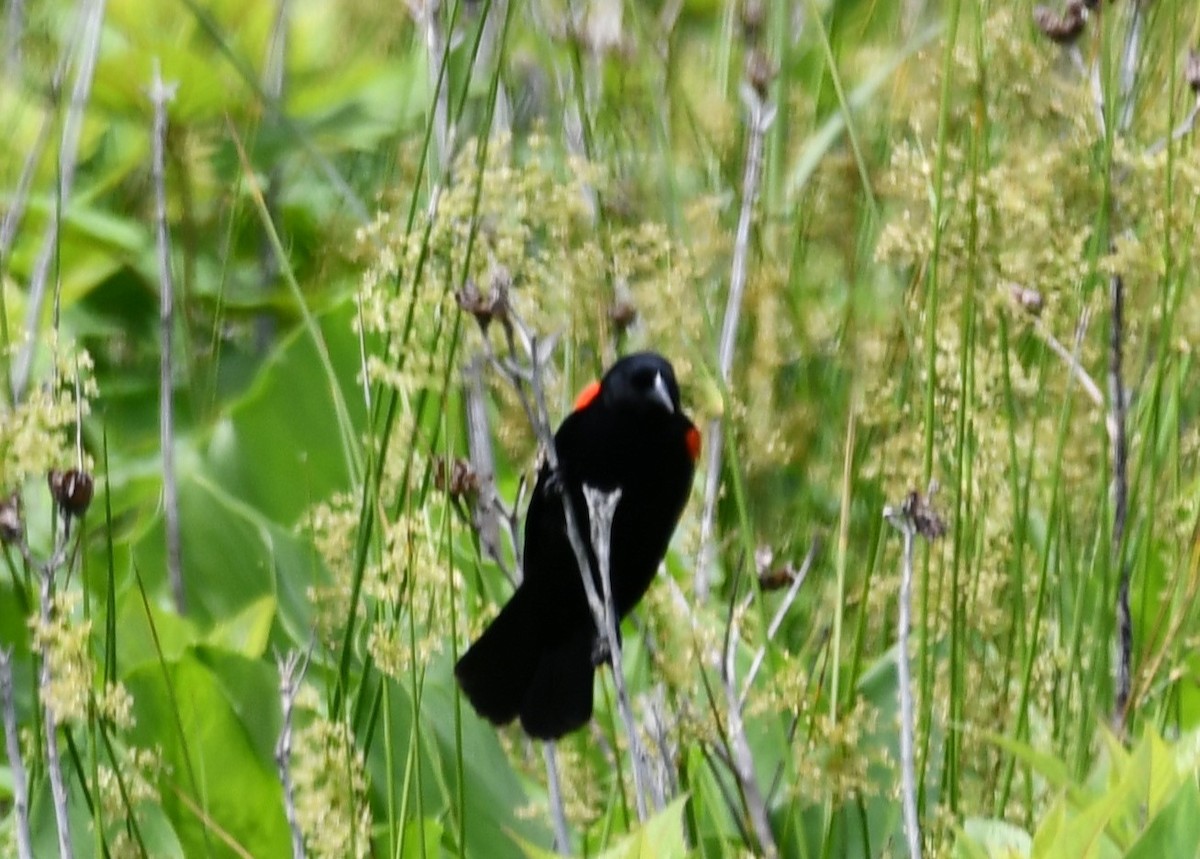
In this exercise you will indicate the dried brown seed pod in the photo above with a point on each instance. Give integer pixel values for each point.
(754, 13)
(71, 489)
(1031, 300)
(1191, 71)
(485, 308)
(1062, 29)
(458, 479)
(12, 523)
(919, 509)
(760, 71)
(622, 313)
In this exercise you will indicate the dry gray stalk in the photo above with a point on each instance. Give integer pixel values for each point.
(291, 674)
(777, 620)
(12, 744)
(68, 154)
(428, 16)
(161, 95)
(485, 513)
(558, 814)
(601, 508)
(912, 517)
(1120, 448)
(740, 756)
(12, 40)
(1125, 102)
(761, 115)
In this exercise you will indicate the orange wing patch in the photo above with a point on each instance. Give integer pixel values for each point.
(587, 395)
(693, 443)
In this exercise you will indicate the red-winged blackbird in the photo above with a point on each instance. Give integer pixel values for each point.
(537, 659)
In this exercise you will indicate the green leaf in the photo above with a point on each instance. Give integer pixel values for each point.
(1052, 769)
(279, 452)
(1175, 828)
(986, 838)
(660, 837)
(215, 769)
(248, 631)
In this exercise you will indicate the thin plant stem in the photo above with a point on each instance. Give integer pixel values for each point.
(161, 95)
(68, 154)
(1120, 455)
(740, 757)
(291, 674)
(761, 114)
(58, 786)
(558, 814)
(777, 620)
(601, 508)
(908, 780)
(12, 744)
(15, 29)
(273, 82)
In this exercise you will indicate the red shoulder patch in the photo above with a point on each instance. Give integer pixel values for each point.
(693, 443)
(587, 395)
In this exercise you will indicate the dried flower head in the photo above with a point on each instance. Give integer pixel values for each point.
(71, 489)
(916, 512)
(458, 479)
(623, 311)
(12, 524)
(1030, 300)
(485, 308)
(1062, 29)
(1191, 71)
(760, 71)
(754, 13)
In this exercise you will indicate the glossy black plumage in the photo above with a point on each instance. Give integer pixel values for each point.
(536, 660)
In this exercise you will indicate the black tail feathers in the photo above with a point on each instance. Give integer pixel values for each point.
(496, 670)
(559, 697)
(516, 669)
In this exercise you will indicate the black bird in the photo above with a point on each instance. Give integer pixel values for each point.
(537, 658)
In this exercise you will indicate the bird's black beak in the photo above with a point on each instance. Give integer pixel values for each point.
(661, 394)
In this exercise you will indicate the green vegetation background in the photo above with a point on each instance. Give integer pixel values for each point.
(945, 198)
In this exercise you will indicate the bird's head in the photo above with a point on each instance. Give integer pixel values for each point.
(642, 382)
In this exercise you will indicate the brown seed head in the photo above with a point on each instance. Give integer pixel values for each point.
(458, 479)
(12, 524)
(485, 308)
(622, 313)
(1191, 71)
(760, 71)
(919, 509)
(754, 13)
(72, 490)
(1062, 29)
(1030, 300)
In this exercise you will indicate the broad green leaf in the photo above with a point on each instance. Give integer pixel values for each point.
(143, 638)
(248, 631)
(1087, 833)
(1164, 772)
(1049, 830)
(213, 769)
(661, 837)
(1175, 830)
(278, 452)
